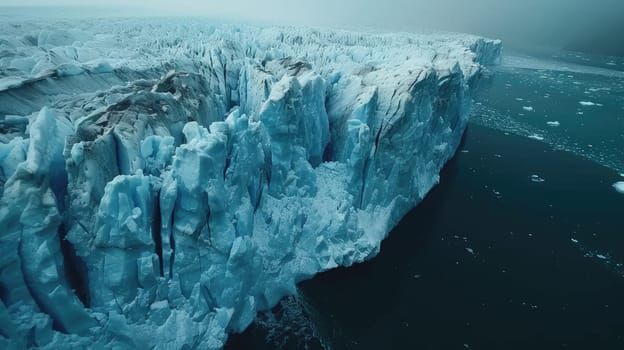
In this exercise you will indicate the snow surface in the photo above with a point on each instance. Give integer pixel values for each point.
(165, 180)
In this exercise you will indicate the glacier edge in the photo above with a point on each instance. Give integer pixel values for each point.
(161, 196)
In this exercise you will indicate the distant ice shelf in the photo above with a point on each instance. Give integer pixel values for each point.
(163, 180)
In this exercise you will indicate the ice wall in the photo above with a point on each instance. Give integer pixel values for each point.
(162, 181)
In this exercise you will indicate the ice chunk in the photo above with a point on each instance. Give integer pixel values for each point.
(587, 103)
(536, 137)
(619, 186)
(528, 108)
(553, 123)
(30, 245)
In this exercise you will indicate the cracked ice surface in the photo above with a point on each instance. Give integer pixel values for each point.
(165, 180)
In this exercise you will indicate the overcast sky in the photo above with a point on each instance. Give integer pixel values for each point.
(516, 21)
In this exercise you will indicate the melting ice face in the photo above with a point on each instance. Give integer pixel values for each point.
(162, 182)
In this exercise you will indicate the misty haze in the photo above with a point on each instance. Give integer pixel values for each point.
(405, 174)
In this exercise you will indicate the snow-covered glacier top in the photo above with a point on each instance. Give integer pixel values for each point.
(163, 180)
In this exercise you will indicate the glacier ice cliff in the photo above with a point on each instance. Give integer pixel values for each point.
(163, 180)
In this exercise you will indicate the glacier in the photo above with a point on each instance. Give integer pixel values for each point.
(163, 180)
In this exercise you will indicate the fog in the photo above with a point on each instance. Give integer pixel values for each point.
(596, 25)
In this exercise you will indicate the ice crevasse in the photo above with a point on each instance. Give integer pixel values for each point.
(162, 181)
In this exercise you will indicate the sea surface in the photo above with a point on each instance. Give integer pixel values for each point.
(520, 246)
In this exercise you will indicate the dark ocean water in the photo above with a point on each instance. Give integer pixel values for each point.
(520, 246)
(573, 102)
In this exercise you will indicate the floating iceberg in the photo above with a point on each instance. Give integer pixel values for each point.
(536, 137)
(163, 181)
(587, 103)
(619, 186)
